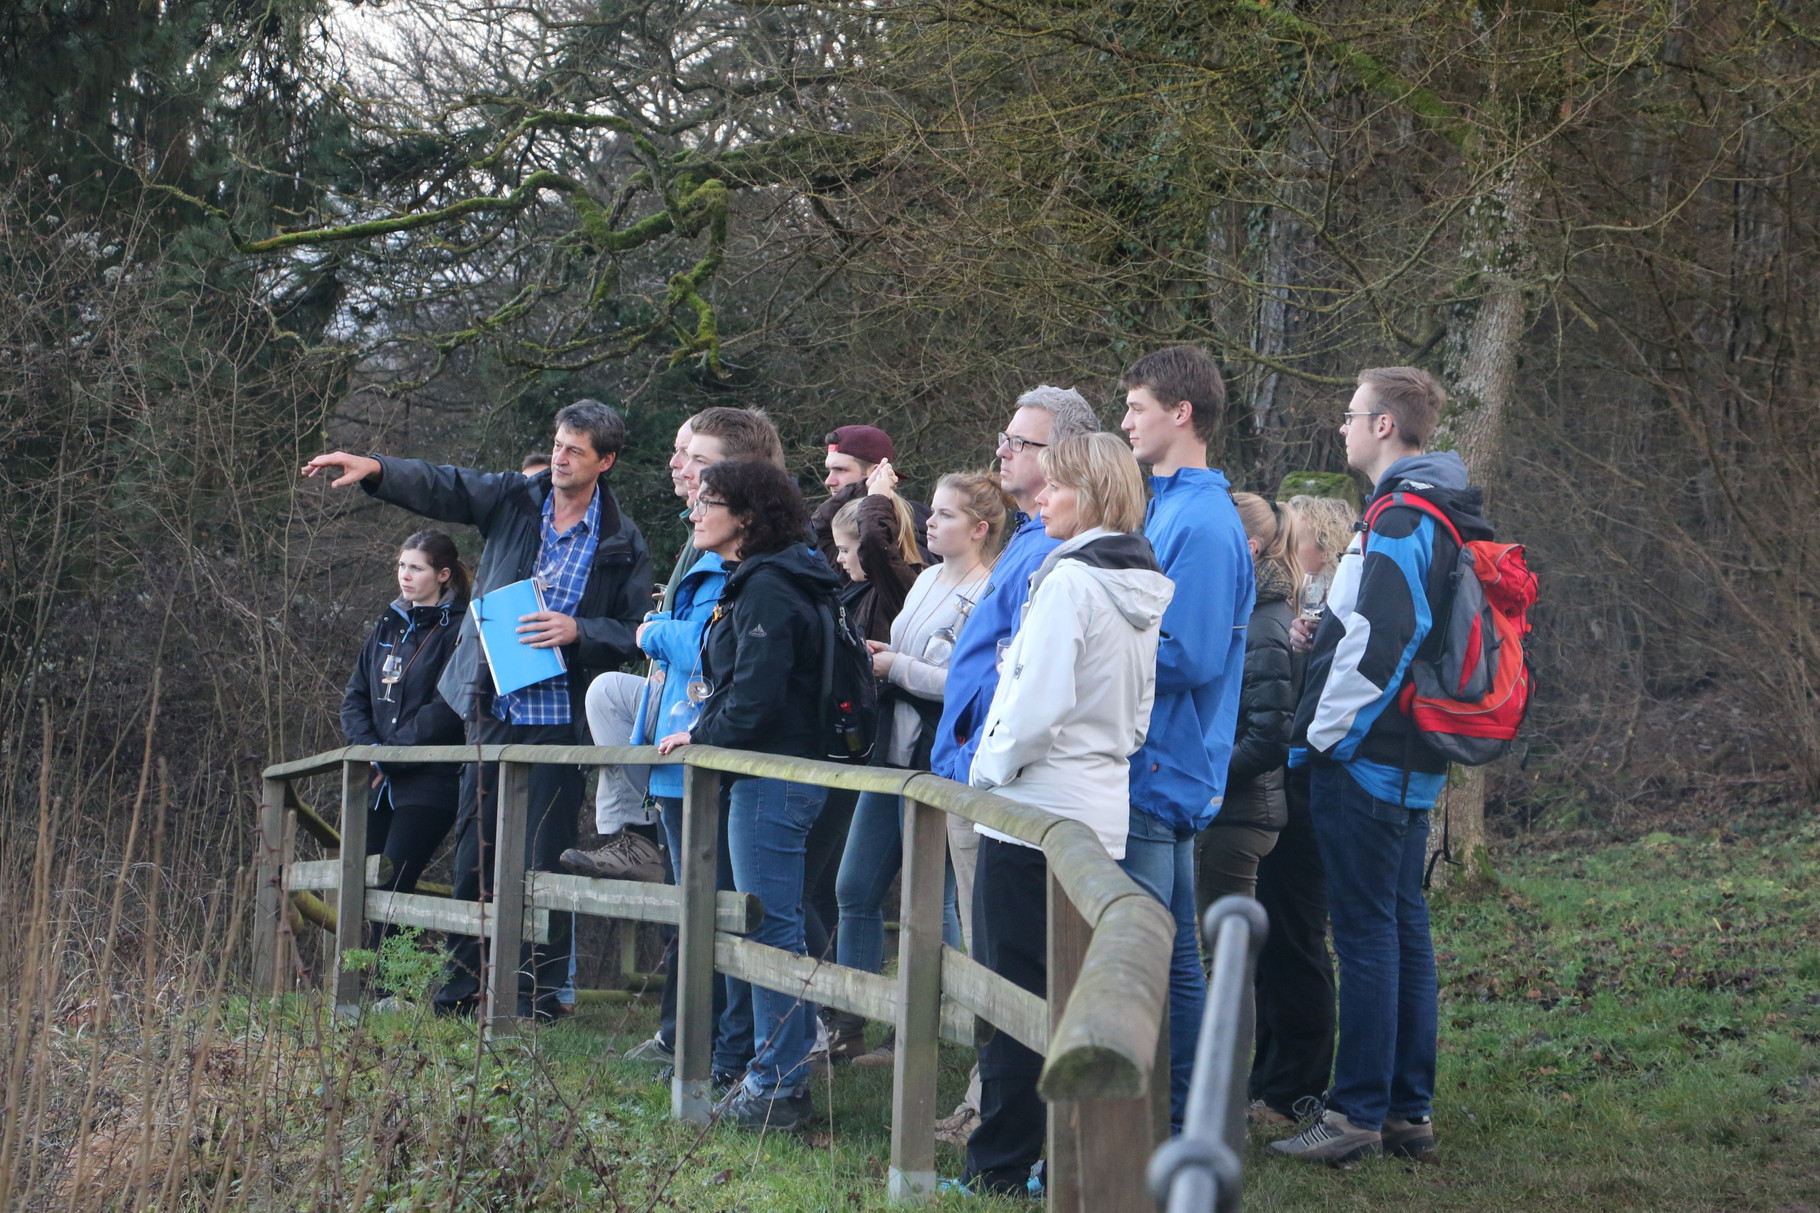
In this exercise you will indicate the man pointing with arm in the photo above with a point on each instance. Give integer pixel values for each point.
(564, 527)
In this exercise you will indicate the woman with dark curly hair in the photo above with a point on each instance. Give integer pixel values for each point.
(762, 661)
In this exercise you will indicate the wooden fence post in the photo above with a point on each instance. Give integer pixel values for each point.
(268, 896)
(691, 1088)
(351, 894)
(505, 951)
(1097, 1148)
(919, 1004)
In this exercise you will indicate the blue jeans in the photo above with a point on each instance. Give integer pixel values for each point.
(1374, 852)
(1161, 859)
(875, 852)
(768, 823)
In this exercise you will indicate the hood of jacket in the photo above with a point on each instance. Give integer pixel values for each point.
(798, 562)
(1440, 476)
(445, 612)
(1121, 564)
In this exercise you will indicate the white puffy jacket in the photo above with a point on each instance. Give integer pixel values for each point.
(1073, 703)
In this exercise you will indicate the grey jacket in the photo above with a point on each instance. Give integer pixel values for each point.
(507, 507)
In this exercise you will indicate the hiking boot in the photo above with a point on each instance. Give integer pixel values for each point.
(1333, 1140)
(958, 1126)
(846, 1035)
(883, 1056)
(654, 1051)
(623, 856)
(1413, 1139)
(746, 1109)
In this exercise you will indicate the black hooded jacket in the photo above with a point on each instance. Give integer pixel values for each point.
(762, 655)
(1267, 701)
(416, 715)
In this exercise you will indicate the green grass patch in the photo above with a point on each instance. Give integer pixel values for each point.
(1631, 1028)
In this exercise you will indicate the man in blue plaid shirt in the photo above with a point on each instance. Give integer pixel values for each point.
(562, 526)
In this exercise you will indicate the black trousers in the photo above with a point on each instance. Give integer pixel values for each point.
(550, 829)
(1011, 937)
(1295, 986)
(408, 835)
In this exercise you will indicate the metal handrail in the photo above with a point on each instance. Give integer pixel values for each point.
(1203, 1169)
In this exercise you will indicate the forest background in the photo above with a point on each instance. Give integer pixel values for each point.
(234, 234)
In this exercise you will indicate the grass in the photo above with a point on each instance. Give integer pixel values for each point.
(1627, 1028)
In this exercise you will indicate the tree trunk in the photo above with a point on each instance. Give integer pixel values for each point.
(1483, 341)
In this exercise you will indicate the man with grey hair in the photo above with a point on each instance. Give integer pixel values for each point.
(1044, 416)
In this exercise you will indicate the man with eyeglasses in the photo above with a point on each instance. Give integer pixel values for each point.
(1044, 416)
(1372, 778)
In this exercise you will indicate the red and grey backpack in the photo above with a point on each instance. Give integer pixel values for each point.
(1470, 681)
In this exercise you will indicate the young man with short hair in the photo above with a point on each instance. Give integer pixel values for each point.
(1373, 779)
(1173, 402)
(562, 525)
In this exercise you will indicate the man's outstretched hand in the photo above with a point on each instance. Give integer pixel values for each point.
(351, 469)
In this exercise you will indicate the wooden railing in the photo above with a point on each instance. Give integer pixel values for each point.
(1102, 1030)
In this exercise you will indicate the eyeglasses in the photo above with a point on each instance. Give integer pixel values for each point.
(704, 504)
(1017, 444)
(1346, 418)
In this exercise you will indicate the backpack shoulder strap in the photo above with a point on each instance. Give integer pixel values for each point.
(1438, 612)
(1415, 501)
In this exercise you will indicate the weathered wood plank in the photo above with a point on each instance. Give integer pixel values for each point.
(1105, 1042)
(691, 1089)
(1095, 1139)
(268, 902)
(442, 914)
(351, 890)
(1009, 1008)
(736, 913)
(504, 951)
(919, 1005)
(829, 985)
(1068, 937)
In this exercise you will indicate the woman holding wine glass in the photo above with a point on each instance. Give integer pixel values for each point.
(1295, 986)
(391, 700)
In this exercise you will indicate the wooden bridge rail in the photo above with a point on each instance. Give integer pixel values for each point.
(1102, 1030)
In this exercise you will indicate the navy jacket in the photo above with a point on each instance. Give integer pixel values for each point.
(1378, 615)
(762, 655)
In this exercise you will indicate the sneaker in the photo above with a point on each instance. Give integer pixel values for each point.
(624, 856)
(1333, 1140)
(746, 1109)
(654, 1051)
(955, 1129)
(1413, 1139)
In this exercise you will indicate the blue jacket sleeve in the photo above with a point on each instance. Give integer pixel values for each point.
(1201, 559)
(675, 643)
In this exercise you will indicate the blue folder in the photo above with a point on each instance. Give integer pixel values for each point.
(514, 663)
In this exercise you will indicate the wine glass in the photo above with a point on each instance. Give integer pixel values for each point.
(685, 712)
(1314, 597)
(939, 647)
(390, 671)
